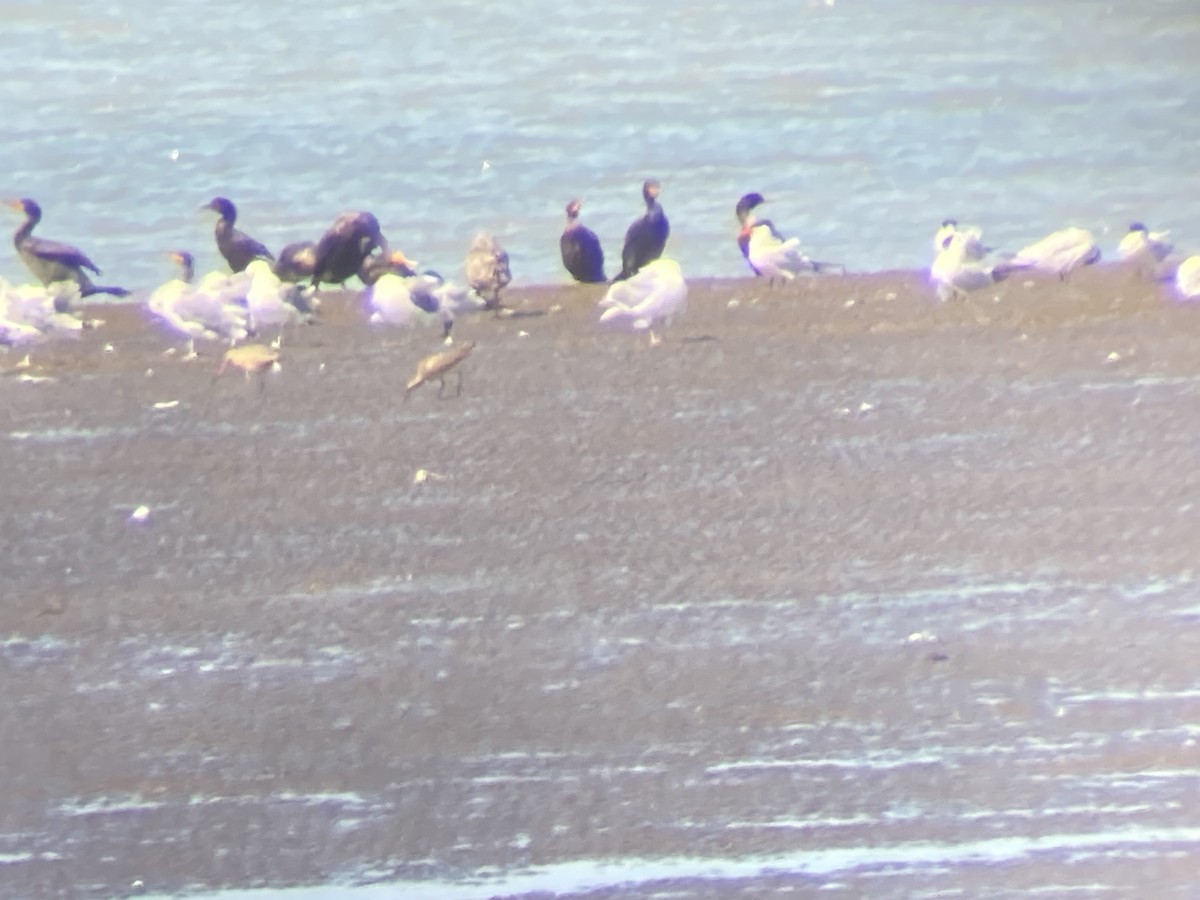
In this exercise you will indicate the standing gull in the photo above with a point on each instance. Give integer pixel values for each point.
(51, 261)
(211, 311)
(405, 300)
(656, 294)
(581, 252)
(647, 237)
(238, 248)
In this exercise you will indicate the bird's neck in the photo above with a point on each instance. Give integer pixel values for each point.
(26, 229)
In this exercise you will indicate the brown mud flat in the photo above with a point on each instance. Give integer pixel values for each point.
(839, 590)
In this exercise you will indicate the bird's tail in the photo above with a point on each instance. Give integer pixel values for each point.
(823, 267)
(105, 289)
(1002, 270)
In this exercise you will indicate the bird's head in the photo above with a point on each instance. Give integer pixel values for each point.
(26, 206)
(1138, 226)
(573, 208)
(403, 262)
(651, 189)
(223, 206)
(748, 204)
(185, 261)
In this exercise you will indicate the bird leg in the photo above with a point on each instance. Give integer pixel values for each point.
(458, 393)
(441, 385)
(191, 350)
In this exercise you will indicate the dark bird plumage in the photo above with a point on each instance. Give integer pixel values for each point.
(345, 247)
(647, 237)
(296, 261)
(745, 210)
(51, 261)
(581, 251)
(377, 265)
(238, 248)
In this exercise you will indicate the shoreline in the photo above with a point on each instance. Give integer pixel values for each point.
(902, 299)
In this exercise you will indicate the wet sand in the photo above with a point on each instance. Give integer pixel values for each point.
(839, 590)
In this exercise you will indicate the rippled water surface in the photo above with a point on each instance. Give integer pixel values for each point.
(866, 121)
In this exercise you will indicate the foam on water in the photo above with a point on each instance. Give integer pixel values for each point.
(886, 861)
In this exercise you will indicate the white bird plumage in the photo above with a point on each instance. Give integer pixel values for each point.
(272, 301)
(971, 236)
(1187, 278)
(1141, 242)
(774, 256)
(1060, 252)
(212, 310)
(32, 313)
(420, 299)
(657, 293)
(956, 271)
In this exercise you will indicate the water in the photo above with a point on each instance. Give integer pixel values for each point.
(865, 123)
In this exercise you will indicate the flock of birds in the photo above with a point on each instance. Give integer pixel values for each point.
(263, 293)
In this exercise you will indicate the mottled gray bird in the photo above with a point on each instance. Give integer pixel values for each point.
(487, 268)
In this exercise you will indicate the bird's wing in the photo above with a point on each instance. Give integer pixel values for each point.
(61, 253)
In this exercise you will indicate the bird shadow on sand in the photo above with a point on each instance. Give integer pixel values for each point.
(699, 339)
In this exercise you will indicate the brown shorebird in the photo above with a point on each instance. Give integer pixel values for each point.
(251, 359)
(436, 366)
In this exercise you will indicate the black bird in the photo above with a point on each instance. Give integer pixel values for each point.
(647, 236)
(344, 248)
(51, 261)
(296, 261)
(377, 265)
(581, 252)
(238, 248)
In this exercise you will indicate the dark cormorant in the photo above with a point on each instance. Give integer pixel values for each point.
(238, 248)
(647, 236)
(51, 261)
(581, 252)
(344, 248)
(377, 265)
(296, 261)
